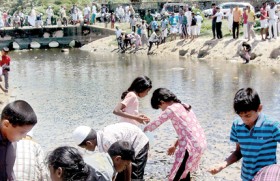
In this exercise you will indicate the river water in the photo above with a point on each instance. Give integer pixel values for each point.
(82, 88)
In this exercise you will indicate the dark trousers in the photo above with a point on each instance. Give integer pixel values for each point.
(214, 28)
(151, 45)
(219, 30)
(181, 170)
(235, 27)
(138, 166)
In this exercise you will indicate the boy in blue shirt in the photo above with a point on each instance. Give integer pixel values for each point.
(255, 135)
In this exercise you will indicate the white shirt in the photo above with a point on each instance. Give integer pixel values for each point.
(132, 21)
(188, 14)
(199, 19)
(118, 33)
(272, 12)
(94, 9)
(153, 37)
(103, 166)
(219, 16)
(86, 10)
(121, 131)
(49, 12)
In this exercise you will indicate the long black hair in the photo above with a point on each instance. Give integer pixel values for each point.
(163, 94)
(140, 84)
(71, 162)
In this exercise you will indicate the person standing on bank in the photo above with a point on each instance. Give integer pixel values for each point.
(250, 23)
(237, 14)
(214, 20)
(5, 64)
(219, 16)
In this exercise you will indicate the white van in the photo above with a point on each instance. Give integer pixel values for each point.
(225, 7)
(169, 8)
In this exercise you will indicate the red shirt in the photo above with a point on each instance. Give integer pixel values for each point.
(263, 14)
(5, 60)
(245, 18)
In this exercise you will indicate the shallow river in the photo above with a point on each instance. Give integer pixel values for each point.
(82, 88)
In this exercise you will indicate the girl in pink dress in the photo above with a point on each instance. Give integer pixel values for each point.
(127, 109)
(191, 141)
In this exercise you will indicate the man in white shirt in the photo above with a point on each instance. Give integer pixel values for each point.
(219, 16)
(49, 12)
(188, 14)
(199, 20)
(272, 20)
(86, 13)
(89, 139)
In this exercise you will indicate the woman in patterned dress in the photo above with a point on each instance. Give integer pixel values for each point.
(191, 139)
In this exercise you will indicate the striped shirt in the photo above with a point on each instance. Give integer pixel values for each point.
(268, 173)
(258, 145)
(29, 165)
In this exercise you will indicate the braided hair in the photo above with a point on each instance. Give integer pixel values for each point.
(163, 94)
(71, 162)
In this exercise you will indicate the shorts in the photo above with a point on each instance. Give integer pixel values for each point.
(173, 29)
(264, 23)
(164, 33)
(193, 30)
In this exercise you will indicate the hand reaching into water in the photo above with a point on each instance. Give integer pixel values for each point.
(143, 119)
(171, 150)
(217, 168)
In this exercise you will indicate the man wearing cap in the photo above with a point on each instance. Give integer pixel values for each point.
(5, 64)
(89, 139)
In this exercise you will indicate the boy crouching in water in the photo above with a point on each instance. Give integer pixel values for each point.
(255, 135)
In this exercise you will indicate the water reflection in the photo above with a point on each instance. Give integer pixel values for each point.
(67, 90)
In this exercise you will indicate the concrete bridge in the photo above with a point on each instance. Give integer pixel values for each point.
(51, 36)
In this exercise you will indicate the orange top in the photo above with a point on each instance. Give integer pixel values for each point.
(237, 15)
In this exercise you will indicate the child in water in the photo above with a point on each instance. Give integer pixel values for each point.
(127, 109)
(191, 141)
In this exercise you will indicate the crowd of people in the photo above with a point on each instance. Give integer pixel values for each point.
(64, 16)
(149, 30)
(123, 146)
(269, 21)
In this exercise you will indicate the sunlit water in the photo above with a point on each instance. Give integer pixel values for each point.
(81, 88)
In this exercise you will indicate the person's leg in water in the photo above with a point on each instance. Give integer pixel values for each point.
(181, 170)
(150, 47)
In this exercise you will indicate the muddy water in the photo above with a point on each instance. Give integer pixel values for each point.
(81, 88)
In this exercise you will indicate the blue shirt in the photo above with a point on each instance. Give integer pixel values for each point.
(154, 25)
(258, 145)
(173, 20)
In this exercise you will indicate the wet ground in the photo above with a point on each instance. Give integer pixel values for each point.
(80, 88)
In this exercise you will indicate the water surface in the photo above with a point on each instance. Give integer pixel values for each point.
(82, 88)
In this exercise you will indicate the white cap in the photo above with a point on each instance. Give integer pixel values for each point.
(30, 133)
(80, 134)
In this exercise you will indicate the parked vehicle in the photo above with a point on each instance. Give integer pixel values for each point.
(169, 8)
(207, 12)
(225, 7)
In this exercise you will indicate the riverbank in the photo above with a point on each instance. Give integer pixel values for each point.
(5, 98)
(226, 49)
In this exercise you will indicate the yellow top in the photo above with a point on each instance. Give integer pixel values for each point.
(251, 16)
